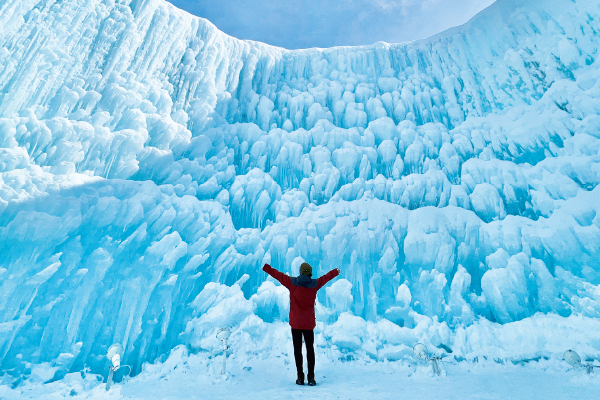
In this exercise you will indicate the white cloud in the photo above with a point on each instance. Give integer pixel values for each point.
(326, 23)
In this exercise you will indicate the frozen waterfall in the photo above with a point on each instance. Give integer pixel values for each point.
(150, 165)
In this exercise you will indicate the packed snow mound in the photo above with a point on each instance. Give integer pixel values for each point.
(150, 165)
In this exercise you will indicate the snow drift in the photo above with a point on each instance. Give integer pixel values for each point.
(150, 164)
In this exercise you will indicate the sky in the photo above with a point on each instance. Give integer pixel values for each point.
(297, 24)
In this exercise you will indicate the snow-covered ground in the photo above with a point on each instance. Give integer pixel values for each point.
(198, 377)
(269, 372)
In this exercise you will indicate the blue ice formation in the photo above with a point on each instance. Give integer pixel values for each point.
(150, 164)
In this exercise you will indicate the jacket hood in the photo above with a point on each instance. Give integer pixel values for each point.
(305, 281)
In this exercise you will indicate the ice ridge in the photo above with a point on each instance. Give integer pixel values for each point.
(150, 164)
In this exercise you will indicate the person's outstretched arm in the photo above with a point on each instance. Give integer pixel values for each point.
(281, 277)
(327, 277)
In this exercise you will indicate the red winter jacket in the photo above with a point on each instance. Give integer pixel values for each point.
(303, 293)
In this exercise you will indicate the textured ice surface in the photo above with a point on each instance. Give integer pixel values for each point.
(150, 164)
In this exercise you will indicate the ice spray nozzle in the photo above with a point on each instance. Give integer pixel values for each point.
(421, 353)
(223, 335)
(115, 355)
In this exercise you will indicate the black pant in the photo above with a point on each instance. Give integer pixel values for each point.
(309, 339)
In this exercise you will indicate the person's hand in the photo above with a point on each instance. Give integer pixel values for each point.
(338, 271)
(265, 266)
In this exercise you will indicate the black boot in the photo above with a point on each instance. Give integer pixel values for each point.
(311, 379)
(300, 380)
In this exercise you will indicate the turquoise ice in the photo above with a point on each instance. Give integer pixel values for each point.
(150, 165)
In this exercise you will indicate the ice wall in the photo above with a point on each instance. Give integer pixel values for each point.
(149, 161)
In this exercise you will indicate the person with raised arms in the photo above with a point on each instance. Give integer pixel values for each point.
(303, 293)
